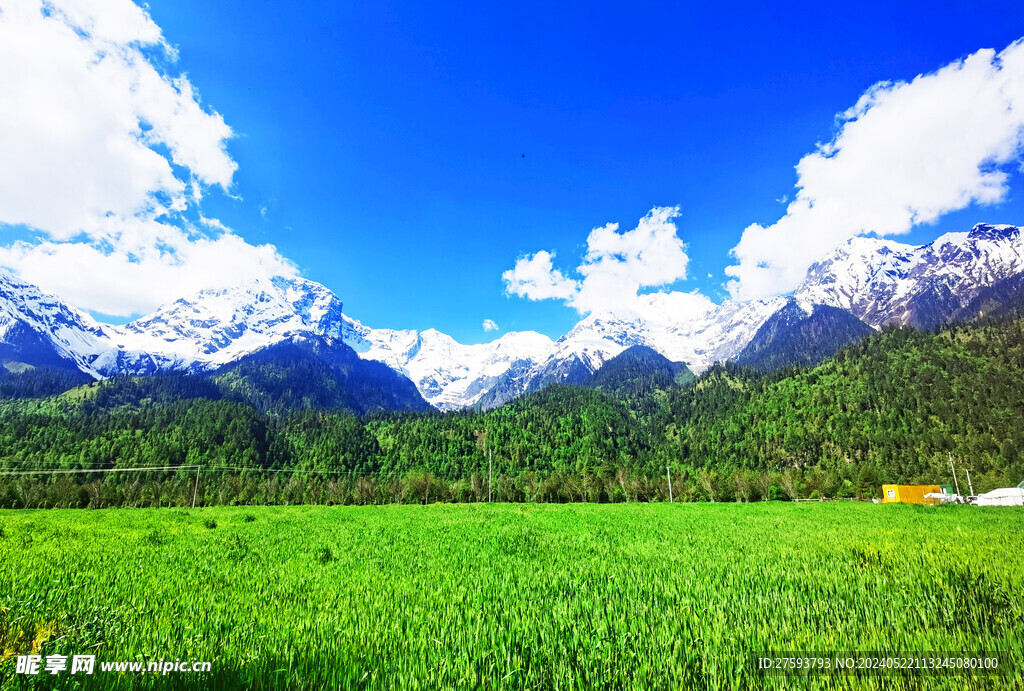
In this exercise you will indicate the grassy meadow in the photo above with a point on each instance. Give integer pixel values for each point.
(627, 596)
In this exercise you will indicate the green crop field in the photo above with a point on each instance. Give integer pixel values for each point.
(507, 596)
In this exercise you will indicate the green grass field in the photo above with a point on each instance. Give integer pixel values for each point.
(507, 596)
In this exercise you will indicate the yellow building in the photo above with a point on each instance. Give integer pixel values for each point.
(909, 494)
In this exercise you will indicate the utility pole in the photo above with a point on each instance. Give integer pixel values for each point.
(969, 485)
(668, 471)
(490, 472)
(955, 481)
(195, 490)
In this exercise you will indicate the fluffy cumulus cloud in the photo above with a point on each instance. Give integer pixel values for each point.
(905, 154)
(120, 283)
(104, 153)
(534, 277)
(490, 325)
(614, 269)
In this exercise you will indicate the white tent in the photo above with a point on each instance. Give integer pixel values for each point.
(945, 498)
(1007, 496)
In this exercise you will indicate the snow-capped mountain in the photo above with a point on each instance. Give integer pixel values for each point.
(194, 334)
(215, 327)
(448, 374)
(212, 328)
(877, 281)
(683, 327)
(39, 328)
(881, 281)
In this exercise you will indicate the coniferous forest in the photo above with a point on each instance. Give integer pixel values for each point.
(893, 407)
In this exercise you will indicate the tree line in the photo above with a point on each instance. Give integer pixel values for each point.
(890, 408)
(213, 487)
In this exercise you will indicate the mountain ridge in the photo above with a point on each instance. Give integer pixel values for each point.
(877, 281)
(801, 336)
(883, 282)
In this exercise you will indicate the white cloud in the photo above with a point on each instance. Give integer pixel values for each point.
(535, 278)
(905, 154)
(614, 269)
(112, 21)
(489, 325)
(104, 153)
(120, 282)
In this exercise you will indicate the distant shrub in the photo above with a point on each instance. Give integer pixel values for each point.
(238, 549)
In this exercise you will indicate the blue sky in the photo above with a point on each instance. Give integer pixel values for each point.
(379, 146)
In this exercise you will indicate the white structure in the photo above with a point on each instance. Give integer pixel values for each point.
(945, 498)
(1007, 496)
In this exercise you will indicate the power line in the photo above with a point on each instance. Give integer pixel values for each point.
(288, 470)
(62, 471)
(204, 468)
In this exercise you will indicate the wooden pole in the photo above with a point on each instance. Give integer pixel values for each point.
(195, 490)
(668, 471)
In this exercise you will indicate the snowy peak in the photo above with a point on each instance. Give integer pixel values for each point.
(214, 327)
(67, 333)
(877, 281)
(449, 374)
(882, 282)
(684, 327)
(994, 233)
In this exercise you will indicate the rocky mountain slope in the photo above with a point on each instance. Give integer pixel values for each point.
(882, 282)
(39, 329)
(798, 336)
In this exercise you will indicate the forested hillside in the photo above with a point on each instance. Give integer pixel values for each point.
(314, 374)
(792, 338)
(892, 407)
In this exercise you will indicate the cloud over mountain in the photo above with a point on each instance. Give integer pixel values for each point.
(106, 155)
(614, 269)
(905, 154)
